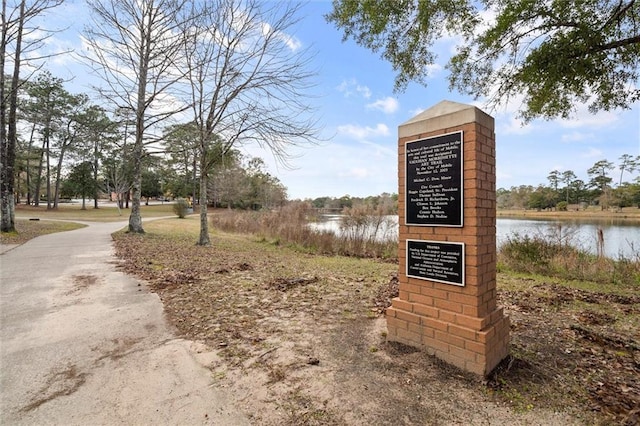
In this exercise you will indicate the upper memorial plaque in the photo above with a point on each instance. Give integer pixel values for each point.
(434, 181)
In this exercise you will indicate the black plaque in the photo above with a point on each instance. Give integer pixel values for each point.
(434, 181)
(436, 261)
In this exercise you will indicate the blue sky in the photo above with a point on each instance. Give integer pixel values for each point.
(360, 115)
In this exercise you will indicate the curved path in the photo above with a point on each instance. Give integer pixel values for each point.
(82, 343)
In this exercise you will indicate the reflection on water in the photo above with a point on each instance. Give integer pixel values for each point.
(620, 238)
(381, 229)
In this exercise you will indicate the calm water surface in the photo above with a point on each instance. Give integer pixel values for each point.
(620, 238)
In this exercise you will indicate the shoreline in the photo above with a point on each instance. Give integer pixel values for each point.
(631, 215)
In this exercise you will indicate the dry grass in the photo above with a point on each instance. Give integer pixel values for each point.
(299, 339)
(557, 258)
(572, 343)
(631, 214)
(289, 225)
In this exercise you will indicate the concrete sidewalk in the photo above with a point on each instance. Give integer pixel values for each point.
(7, 247)
(82, 343)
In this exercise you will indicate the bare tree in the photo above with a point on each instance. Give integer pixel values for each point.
(20, 36)
(134, 47)
(249, 82)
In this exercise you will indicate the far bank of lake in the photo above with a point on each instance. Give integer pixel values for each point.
(621, 234)
(626, 214)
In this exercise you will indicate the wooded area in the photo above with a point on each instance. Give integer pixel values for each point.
(564, 190)
(179, 85)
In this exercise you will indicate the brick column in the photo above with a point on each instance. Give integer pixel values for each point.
(460, 324)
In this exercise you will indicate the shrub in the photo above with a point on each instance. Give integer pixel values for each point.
(554, 256)
(367, 229)
(181, 207)
(562, 206)
(290, 225)
(529, 254)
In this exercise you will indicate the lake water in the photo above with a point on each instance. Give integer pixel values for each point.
(620, 238)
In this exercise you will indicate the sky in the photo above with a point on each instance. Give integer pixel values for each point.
(359, 114)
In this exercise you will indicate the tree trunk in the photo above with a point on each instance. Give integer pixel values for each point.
(8, 148)
(29, 148)
(36, 195)
(135, 218)
(194, 180)
(95, 175)
(5, 207)
(204, 224)
(28, 171)
(56, 191)
(48, 156)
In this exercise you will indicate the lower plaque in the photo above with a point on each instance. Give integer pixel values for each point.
(436, 261)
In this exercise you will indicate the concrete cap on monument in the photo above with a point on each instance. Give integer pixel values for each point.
(443, 115)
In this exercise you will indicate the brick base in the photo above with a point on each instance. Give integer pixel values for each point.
(472, 344)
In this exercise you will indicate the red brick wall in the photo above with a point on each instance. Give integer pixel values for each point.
(461, 325)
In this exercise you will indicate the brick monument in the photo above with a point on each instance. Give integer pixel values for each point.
(447, 239)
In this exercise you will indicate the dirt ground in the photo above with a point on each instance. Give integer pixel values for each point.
(300, 339)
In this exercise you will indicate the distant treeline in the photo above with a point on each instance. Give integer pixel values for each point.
(565, 189)
(385, 202)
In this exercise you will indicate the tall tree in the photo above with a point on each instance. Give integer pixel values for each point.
(67, 135)
(228, 182)
(48, 108)
(20, 36)
(181, 144)
(579, 188)
(600, 179)
(98, 134)
(555, 54)
(249, 82)
(628, 164)
(568, 176)
(80, 182)
(134, 47)
(554, 178)
(265, 190)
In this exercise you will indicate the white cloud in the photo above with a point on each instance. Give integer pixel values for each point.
(592, 153)
(361, 133)
(364, 91)
(356, 172)
(334, 169)
(351, 87)
(576, 137)
(510, 125)
(387, 105)
(584, 119)
(434, 69)
(414, 112)
(291, 42)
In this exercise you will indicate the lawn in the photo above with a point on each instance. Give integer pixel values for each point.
(300, 338)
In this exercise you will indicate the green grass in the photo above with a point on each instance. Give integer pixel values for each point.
(28, 229)
(50, 221)
(512, 280)
(102, 214)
